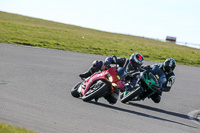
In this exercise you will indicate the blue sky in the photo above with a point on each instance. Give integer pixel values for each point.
(149, 18)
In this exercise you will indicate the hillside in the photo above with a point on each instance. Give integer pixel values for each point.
(17, 29)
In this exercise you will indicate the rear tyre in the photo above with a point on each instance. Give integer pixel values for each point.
(95, 93)
(74, 90)
(131, 95)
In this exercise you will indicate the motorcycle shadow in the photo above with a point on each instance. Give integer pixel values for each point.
(146, 115)
(159, 110)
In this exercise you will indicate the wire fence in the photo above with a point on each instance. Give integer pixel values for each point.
(189, 44)
(193, 45)
(184, 44)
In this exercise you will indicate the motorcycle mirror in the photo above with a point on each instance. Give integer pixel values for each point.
(114, 59)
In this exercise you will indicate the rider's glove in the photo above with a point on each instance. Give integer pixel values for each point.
(106, 64)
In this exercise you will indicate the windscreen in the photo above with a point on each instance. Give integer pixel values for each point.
(121, 73)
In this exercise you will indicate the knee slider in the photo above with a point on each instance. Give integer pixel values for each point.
(94, 64)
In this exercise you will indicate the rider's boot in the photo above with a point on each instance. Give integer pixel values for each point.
(96, 66)
(85, 75)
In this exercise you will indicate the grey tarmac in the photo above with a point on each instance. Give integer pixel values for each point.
(35, 86)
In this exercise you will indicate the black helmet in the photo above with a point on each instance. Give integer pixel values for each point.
(169, 65)
(136, 60)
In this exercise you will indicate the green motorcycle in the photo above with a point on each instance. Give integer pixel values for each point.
(150, 82)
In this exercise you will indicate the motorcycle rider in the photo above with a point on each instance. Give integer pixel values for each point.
(132, 64)
(168, 67)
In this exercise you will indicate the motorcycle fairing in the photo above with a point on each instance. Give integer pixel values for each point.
(88, 82)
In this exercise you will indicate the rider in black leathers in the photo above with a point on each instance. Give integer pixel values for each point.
(168, 66)
(132, 64)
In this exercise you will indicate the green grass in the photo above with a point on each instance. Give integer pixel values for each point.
(17, 29)
(5, 128)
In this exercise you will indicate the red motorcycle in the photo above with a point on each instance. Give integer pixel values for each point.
(100, 84)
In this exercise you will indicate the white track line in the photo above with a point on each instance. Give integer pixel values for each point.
(194, 116)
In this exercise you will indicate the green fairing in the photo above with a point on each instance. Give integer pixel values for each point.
(149, 82)
(125, 93)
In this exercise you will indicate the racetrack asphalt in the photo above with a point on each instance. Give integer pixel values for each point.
(35, 86)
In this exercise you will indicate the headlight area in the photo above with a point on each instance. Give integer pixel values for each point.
(115, 85)
(109, 77)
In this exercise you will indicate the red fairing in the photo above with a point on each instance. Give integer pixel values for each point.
(89, 81)
(101, 75)
(120, 84)
(113, 73)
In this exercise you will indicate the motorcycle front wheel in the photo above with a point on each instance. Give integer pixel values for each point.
(131, 95)
(95, 92)
(74, 90)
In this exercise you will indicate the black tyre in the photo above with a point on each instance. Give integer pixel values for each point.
(131, 95)
(96, 92)
(74, 90)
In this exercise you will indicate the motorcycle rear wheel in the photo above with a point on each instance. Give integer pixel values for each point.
(131, 95)
(95, 93)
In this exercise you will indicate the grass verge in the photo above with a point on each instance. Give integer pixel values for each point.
(17, 29)
(5, 128)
